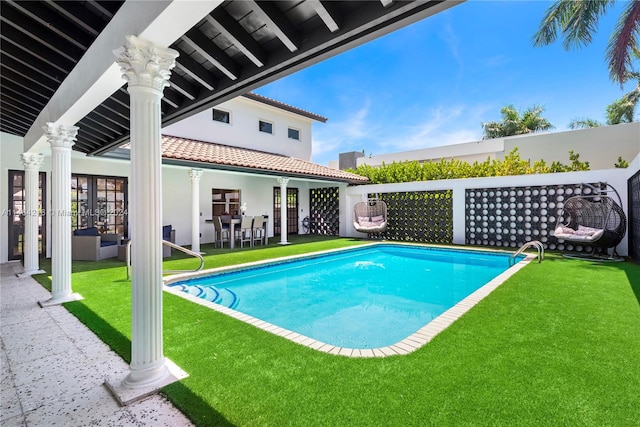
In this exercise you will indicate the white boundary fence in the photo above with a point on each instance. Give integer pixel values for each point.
(615, 177)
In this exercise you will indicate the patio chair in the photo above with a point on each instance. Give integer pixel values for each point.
(596, 219)
(245, 232)
(168, 234)
(259, 229)
(370, 216)
(221, 234)
(87, 244)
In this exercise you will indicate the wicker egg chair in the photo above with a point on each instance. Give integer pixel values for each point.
(370, 217)
(596, 220)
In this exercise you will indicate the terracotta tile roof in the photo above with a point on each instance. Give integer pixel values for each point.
(243, 159)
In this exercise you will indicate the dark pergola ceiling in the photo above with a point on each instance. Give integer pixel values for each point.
(239, 46)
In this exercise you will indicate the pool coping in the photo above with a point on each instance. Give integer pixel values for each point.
(405, 346)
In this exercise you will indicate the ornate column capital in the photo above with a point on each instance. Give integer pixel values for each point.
(31, 161)
(145, 64)
(283, 181)
(60, 136)
(195, 174)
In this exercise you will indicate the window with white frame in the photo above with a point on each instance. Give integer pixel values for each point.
(294, 134)
(221, 116)
(264, 126)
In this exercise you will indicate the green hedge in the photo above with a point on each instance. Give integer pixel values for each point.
(450, 169)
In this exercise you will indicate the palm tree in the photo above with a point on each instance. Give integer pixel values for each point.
(514, 124)
(619, 111)
(584, 123)
(577, 20)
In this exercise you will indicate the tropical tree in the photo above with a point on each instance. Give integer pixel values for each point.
(577, 20)
(515, 124)
(584, 123)
(621, 110)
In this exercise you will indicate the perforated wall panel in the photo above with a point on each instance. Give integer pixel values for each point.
(418, 216)
(509, 217)
(324, 208)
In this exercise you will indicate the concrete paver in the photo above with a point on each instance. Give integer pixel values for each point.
(52, 367)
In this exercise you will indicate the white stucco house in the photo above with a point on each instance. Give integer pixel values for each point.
(243, 147)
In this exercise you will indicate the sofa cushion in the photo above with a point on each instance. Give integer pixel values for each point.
(104, 243)
(91, 231)
(377, 219)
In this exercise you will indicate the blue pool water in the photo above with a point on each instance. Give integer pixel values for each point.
(364, 298)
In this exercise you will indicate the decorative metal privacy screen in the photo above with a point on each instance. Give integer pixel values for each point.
(418, 216)
(634, 216)
(511, 216)
(324, 208)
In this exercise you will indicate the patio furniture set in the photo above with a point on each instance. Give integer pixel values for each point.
(252, 230)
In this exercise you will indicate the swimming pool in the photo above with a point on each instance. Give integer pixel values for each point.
(371, 297)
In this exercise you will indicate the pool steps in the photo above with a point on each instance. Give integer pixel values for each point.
(225, 297)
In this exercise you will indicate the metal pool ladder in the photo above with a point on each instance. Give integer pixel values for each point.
(174, 246)
(532, 244)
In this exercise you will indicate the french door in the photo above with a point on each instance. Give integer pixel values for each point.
(292, 211)
(99, 201)
(17, 211)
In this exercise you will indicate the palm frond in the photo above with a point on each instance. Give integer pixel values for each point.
(551, 23)
(623, 45)
(584, 123)
(576, 20)
(582, 23)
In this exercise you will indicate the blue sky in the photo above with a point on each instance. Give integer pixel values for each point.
(434, 82)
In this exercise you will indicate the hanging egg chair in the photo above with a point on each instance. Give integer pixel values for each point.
(596, 220)
(370, 217)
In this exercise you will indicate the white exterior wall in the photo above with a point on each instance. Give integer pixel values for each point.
(468, 152)
(616, 177)
(601, 147)
(256, 191)
(242, 131)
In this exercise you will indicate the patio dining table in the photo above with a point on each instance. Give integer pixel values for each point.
(231, 222)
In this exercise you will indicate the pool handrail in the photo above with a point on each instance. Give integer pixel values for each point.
(174, 246)
(532, 244)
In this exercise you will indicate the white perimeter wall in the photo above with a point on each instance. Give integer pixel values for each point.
(242, 131)
(616, 177)
(600, 146)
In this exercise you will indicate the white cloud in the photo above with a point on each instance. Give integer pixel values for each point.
(444, 125)
(363, 130)
(348, 134)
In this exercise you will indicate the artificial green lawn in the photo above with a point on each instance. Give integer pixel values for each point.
(557, 344)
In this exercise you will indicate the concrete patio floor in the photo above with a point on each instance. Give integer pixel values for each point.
(53, 367)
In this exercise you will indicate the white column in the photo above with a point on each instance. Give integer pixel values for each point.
(283, 210)
(195, 175)
(146, 68)
(31, 163)
(61, 138)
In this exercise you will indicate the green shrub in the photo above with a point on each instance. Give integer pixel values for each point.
(512, 164)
